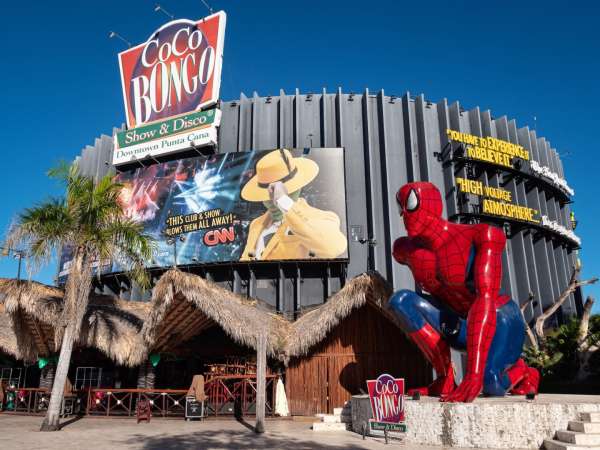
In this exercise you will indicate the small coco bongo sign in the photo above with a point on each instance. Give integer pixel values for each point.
(386, 394)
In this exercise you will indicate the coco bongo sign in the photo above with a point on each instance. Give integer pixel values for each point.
(386, 394)
(177, 70)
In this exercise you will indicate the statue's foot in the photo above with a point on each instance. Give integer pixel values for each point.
(529, 384)
(524, 380)
(441, 387)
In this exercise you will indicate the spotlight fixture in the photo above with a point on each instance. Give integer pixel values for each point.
(158, 8)
(114, 34)
(207, 6)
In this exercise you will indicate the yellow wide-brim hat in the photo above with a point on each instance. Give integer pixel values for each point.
(279, 165)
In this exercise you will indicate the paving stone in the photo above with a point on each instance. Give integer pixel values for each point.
(21, 432)
(329, 426)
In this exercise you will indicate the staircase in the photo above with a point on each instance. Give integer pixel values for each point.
(582, 434)
(340, 420)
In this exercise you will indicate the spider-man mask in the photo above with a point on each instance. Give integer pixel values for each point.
(420, 206)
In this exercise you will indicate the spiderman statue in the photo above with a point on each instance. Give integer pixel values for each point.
(458, 269)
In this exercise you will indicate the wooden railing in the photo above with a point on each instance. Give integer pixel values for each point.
(226, 395)
(26, 400)
(236, 394)
(122, 402)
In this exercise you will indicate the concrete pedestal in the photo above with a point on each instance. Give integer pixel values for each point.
(509, 422)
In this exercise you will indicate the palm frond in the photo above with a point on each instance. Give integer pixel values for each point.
(41, 230)
(131, 247)
(90, 218)
(62, 171)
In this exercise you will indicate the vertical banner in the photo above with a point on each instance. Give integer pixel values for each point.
(177, 70)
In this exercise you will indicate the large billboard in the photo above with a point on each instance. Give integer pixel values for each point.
(247, 206)
(176, 71)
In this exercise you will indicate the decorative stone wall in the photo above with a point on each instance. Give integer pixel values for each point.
(511, 422)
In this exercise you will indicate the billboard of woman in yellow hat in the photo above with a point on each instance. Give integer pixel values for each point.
(290, 228)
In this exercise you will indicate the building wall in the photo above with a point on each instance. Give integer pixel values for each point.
(361, 347)
(388, 141)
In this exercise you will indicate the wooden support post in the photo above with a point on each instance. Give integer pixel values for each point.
(47, 376)
(146, 375)
(261, 380)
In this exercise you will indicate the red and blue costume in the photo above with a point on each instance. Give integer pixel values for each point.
(458, 270)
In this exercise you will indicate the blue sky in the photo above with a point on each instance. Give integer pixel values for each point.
(60, 80)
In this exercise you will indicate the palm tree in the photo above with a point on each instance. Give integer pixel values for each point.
(90, 221)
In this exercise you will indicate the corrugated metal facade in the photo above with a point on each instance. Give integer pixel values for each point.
(388, 141)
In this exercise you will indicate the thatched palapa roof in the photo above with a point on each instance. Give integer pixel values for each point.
(8, 340)
(312, 327)
(34, 311)
(184, 305)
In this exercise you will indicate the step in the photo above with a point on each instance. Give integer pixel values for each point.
(325, 426)
(551, 444)
(573, 437)
(590, 416)
(584, 427)
(329, 418)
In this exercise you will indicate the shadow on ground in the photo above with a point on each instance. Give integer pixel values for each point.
(66, 423)
(235, 440)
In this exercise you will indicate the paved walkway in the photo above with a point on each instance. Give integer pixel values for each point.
(21, 432)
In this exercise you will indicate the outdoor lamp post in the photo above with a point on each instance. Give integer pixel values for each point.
(17, 254)
(173, 241)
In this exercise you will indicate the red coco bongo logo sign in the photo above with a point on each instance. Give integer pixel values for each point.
(387, 398)
(177, 70)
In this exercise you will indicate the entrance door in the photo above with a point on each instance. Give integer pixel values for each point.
(345, 377)
(308, 387)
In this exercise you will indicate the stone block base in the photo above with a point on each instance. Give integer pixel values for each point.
(509, 422)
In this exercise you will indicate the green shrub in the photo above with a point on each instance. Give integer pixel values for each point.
(557, 357)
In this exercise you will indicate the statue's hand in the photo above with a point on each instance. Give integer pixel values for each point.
(470, 387)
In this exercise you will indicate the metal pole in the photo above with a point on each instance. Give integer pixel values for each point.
(261, 380)
(20, 256)
(175, 251)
